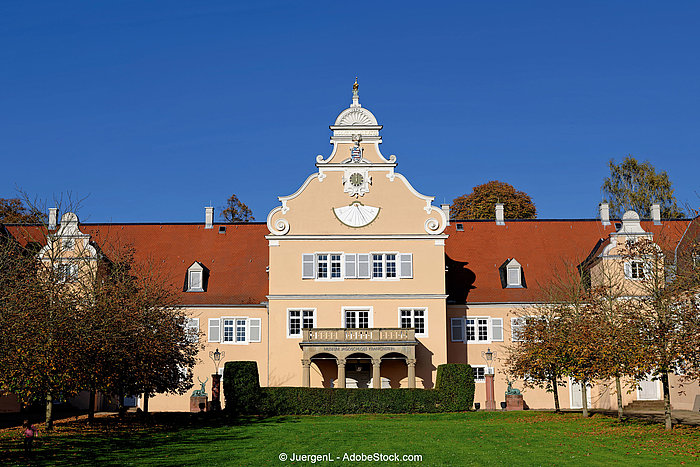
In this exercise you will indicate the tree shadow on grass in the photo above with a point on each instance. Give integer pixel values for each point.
(141, 440)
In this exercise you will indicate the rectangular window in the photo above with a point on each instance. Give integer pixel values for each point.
(255, 329)
(634, 269)
(298, 320)
(195, 281)
(483, 329)
(377, 266)
(390, 265)
(477, 329)
(335, 266)
(321, 266)
(414, 318)
(229, 330)
(307, 266)
(457, 327)
(192, 329)
(513, 276)
(214, 330)
(479, 373)
(406, 266)
(357, 318)
(497, 329)
(516, 329)
(240, 330)
(350, 266)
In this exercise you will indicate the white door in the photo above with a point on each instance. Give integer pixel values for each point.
(648, 390)
(575, 394)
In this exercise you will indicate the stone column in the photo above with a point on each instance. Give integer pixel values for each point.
(216, 391)
(306, 373)
(376, 373)
(411, 373)
(341, 373)
(490, 398)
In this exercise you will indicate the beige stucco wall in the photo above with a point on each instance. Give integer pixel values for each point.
(205, 366)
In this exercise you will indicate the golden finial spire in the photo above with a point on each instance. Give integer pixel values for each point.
(355, 94)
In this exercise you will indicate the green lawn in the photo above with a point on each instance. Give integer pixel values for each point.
(497, 438)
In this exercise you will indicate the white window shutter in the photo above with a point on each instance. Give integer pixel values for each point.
(628, 270)
(457, 325)
(497, 329)
(406, 260)
(363, 266)
(307, 266)
(255, 328)
(350, 265)
(516, 327)
(214, 330)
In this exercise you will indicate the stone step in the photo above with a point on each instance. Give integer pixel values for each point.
(645, 405)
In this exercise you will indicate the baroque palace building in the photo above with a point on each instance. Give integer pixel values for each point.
(358, 280)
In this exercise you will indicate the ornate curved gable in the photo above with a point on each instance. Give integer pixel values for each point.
(356, 190)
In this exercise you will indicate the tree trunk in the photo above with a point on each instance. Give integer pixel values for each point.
(91, 408)
(49, 412)
(618, 387)
(555, 389)
(584, 398)
(120, 404)
(667, 400)
(145, 402)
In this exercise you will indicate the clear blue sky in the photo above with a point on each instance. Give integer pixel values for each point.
(155, 109)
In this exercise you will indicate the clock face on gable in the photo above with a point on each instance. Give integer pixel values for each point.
(357, 179)
(356, 182)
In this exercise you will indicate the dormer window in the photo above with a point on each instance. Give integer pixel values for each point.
(513, 274)
(195, 278)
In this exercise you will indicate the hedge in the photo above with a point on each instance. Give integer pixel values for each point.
(454, 392)
(242, 388)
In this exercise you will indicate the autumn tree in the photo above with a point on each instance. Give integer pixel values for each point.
(38, 327)
(668, 307)
(13, 211)
(538, 354)
(236, 211)
(481, 202)
(636, 186)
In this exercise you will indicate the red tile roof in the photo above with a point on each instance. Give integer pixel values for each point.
(237, 260)
(540, 246)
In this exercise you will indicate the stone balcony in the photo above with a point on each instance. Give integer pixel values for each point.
(374, 336)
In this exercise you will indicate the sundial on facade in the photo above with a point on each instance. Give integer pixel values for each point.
(356, 215)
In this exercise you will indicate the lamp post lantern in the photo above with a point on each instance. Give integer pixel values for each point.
(216, 357)
(488, 376)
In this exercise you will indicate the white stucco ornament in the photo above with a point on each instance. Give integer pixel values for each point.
(356, 181)
(356, 215)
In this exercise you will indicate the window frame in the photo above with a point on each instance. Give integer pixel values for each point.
(477, 325)
(235, 320)
(413, 309)
(639, 266)
(368, 309)
(483, 367)
(329, 265)
(383, 277)
(301, 321)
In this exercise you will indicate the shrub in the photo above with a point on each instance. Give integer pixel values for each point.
(454, 392)
(455, 383)
(242, 388)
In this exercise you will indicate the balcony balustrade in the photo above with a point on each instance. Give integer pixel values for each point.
(358, 335)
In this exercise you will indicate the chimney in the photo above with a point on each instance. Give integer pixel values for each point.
(656, 213)
(446, 210)
(499, 214)
(53, 218)
(604, 209)
(208, 217)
